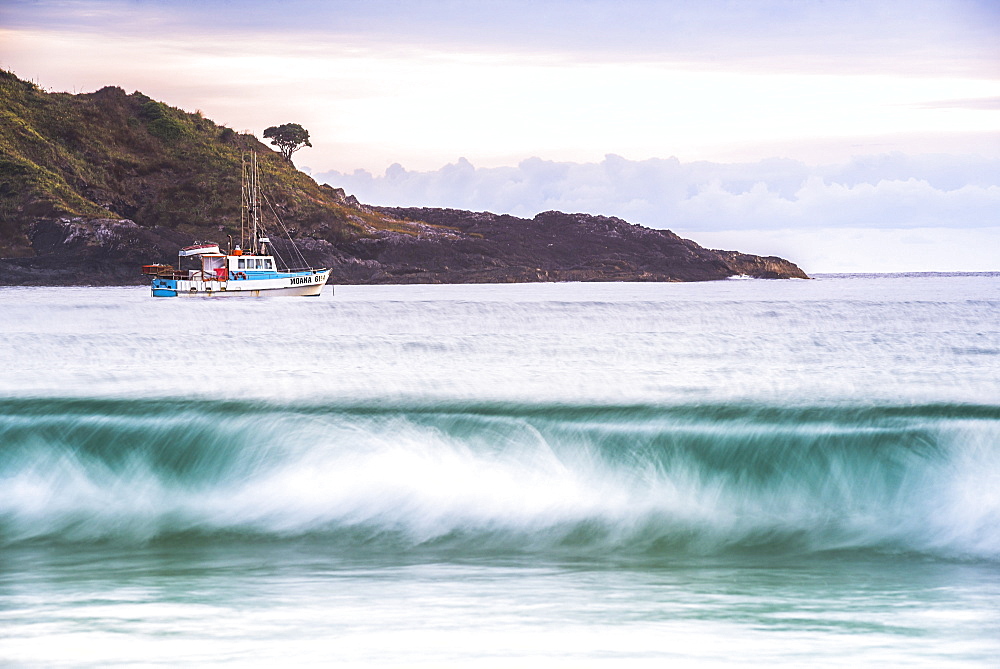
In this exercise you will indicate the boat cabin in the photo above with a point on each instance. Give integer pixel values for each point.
(221, 267)
(206, 262)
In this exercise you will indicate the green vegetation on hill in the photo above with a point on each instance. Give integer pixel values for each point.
(114, 155)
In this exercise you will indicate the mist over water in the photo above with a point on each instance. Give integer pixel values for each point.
(740, 471)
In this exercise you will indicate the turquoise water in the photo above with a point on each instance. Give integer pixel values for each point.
(739, 472)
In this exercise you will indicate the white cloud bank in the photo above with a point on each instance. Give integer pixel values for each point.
(878, 213)
(425, 81)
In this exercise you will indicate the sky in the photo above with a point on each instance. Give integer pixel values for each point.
(847, 135)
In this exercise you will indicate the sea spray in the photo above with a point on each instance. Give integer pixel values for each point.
(595, 480)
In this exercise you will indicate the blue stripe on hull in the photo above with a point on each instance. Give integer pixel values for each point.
(245, 286)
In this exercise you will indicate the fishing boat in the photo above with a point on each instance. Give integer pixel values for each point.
(250, 268)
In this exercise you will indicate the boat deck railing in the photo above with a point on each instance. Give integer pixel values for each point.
(168, 272)
(163, 272)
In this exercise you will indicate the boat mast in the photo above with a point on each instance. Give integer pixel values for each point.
(244, 200)
(250, 211)
(254, 202)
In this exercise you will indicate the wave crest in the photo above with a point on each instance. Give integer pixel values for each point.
(577, 480)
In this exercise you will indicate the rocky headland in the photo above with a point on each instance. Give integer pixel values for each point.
(481, 247)
(93, 186)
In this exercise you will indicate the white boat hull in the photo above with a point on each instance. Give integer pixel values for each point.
(299, 284)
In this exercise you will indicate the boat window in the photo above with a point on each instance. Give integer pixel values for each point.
(242, 264)
(267, 264)
(259, 263)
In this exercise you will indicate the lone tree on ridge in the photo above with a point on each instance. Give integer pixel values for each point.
(289, 138)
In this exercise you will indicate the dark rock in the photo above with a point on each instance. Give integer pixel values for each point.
(81, 251)
(455, 246)
(437, 246)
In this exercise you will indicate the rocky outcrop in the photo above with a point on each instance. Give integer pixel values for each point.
(78, 251)
(766, 267)
(479, 247)
(430, 246)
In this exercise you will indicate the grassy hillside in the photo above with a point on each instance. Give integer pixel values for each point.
(114, 155)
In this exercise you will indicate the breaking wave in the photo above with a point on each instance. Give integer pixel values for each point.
(588, 481)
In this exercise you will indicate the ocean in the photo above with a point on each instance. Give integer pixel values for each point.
(744, 472)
